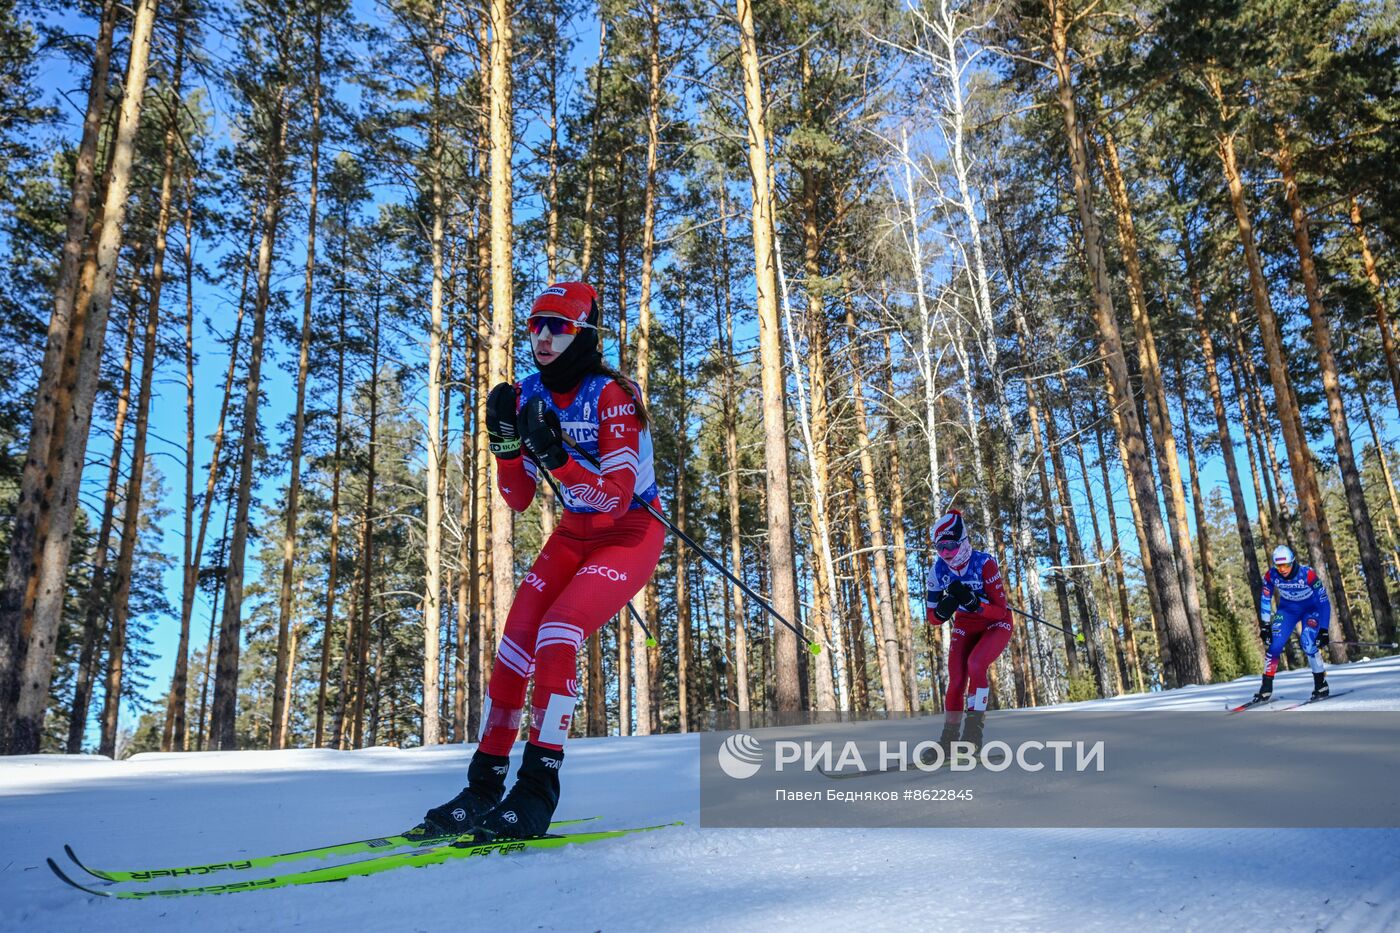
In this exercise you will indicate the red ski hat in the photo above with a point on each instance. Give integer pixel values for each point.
(574, 301)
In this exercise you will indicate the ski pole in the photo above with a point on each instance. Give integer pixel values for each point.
(812, 646)
(636, 616)
(1043, 622)
(1373, 644)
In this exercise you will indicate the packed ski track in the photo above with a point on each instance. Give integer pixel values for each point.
(175, 809)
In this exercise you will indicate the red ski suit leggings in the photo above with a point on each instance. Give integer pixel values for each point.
(584, 575)
(972, 650)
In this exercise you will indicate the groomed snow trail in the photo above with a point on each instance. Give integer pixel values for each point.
(186, 808)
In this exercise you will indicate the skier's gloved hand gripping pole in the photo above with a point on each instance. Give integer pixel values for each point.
(812, 646)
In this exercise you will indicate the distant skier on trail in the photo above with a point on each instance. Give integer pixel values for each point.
(965, 587)
(601, 554)
(1301, 598)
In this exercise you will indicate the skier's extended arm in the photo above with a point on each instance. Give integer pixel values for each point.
(514, 475)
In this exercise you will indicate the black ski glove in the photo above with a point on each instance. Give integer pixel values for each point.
(945, 607)
(539, 429)
(501, 429)
(1266, 631)
(1323, 639)
(967, 600)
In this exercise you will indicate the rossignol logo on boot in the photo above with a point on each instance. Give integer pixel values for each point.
(740, 756)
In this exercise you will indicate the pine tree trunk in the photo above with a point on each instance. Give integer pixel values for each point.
(223, 721)
(77, 390)
(685, 664)
(281, 681)
(435, 454)
(29, 524)
(174, 735)
(1222, 428)
(1373, 572)
(484, 632)
(892, 678)
(1373, 279)
(1266, 504)
(1144, 555)
(367, 551)
(1084, 599)
(737, 672)
(501, 362)
(1299, 456)
(1052, 534)
(1214, 599)
(1120, 652)
(333, 547)
(1185, 668)
(777, 483)
(464, 674)
(585, 265)
(901, 548)
(1381, 455)
(647, 720)
(1159, 414)
(209, 643)
(131, 520)
(98, 600)
(1120, 577)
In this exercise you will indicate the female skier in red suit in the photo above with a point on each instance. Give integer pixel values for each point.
(601, 554)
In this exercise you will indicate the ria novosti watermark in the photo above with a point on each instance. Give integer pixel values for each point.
(1057, 768)
(741, 756)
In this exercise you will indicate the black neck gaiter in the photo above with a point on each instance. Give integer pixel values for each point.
(579, 359)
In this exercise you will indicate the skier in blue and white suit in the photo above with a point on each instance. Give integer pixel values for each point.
(1301, 598)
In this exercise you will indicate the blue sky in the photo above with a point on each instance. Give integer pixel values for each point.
(65, 87)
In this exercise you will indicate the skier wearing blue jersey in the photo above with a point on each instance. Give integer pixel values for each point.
(1301, 598)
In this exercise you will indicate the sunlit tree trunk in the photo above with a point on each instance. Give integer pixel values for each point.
(1373, 279)
(222, 724)
(77, 389)
(281, 689)
(29, 524)
(1185, 668)
(1373, 573)
(1222, 428)
(1299, 456)
(501, 139)
(97, 602)
(1159, 413)
(777, 484)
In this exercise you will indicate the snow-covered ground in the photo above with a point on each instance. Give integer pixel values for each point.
(187, 808)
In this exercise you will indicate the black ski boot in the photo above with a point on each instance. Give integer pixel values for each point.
(1320, 689)
(972, 729)
(945, 741)
(486, 783)
(527, 810)
(1266, 690)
